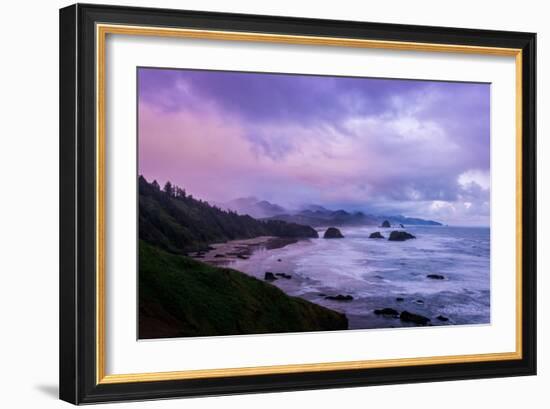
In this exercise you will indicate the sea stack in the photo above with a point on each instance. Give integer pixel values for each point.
(385, 223)
(333, 233)
(400, 236)
(376, 235)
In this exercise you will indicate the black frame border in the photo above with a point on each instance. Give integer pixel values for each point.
(78, 204)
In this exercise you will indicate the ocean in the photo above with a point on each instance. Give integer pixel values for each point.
(379, 273)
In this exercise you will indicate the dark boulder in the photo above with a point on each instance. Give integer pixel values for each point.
(339, 297)
(333, 233)
(399, 299)
(385, 223)
(400, 225)
(436, 276)
(219, 256)
(442, 318)
(284, 275)
(269, 276)
(400, 236)
(376, 235)
(387, 311)
(414, 318)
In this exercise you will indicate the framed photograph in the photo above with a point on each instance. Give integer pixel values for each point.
(257, 203)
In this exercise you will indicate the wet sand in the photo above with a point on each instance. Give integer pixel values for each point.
(222, 254)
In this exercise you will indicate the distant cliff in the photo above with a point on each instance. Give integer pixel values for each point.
(327, 218)
(411, 221)
(324, 217)
(315, 215)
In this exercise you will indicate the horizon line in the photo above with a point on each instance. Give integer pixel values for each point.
(292, 210)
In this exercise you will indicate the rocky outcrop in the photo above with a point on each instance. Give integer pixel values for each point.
(385, 223)
(376, 235)
(333, 233)
(436, 276)
(400, 236)
(281, 229)
(284, 275)
(442, 318)
(268, 276)
(339, 297)
(414, 318)
(387, 312)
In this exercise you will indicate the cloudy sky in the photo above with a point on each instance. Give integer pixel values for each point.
(417, 148)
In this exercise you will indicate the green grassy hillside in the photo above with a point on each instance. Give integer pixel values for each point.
(181, 297)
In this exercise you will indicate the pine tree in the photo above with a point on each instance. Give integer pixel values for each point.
(168, 189)
(180, 193)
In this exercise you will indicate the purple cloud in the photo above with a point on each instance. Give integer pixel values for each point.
(417, 147)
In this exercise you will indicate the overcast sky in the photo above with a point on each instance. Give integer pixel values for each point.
(417, 148)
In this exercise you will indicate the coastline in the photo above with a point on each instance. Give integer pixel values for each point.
(378, 274)
(174, 289)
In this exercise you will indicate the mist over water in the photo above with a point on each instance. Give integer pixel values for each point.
(376, 272)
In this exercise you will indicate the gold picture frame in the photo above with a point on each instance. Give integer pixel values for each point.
(97, 20)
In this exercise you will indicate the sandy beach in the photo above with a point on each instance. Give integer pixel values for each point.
(223, 254)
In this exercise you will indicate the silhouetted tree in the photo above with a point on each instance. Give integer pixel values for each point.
(180, 193)
(168, 189)
(155, 185)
